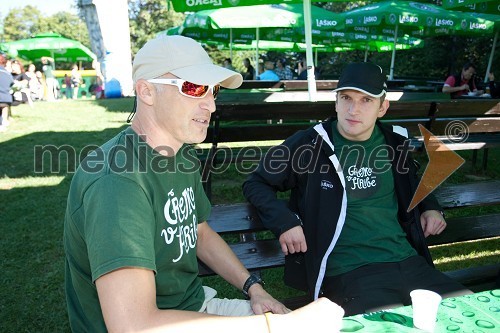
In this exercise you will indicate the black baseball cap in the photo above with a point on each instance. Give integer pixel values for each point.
(365, 77)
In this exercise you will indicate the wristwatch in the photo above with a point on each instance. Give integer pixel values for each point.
(252, 279)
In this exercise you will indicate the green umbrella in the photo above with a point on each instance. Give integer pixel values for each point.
(243, 39)
(264, 16)
(480, 7)
(415, 19)
(193, 5)
(477, 6)
(51, 45)
(4, 48)
(261, 16)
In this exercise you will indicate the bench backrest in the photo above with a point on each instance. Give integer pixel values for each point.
(480, 116)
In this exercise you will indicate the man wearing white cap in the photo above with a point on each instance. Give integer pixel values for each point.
(346, 231)
(135, 219)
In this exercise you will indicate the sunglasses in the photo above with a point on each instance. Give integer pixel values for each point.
(189, 89)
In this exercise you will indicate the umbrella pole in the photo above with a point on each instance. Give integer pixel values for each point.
(231, 44)
(366, 52)
(391, 73)
(256, 69)
(311, 79)
(488, 69)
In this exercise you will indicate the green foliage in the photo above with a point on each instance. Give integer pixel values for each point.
(68, 25)
(440, 57)
(21, 23)
(149, 17)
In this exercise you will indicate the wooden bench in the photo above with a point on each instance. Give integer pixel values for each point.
(288, 85)
(245, 117)
(259, 254)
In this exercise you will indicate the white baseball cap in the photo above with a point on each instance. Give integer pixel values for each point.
(183, 57)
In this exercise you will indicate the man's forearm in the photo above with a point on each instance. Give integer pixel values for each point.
(215, 252)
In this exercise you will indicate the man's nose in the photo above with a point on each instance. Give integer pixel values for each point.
(209, 102)
(354, 108)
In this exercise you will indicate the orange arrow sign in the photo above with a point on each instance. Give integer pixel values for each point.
(443, 162)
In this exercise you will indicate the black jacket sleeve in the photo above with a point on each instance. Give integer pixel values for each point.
(275, 173)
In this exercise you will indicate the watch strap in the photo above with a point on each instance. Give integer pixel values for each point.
(252, 279)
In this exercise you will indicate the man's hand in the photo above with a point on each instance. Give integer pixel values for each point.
(293, 240)
(262, 302)
(320, 313)
(432, 222)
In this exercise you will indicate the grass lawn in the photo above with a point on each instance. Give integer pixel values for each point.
(33, 193)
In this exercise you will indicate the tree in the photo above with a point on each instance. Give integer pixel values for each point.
(21, 23)
(68, 25)
(149, 17)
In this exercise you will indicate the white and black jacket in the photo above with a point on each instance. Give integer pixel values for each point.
(306, 164)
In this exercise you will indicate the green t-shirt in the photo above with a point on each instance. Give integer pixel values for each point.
(128, 206)
(47, 69)
(371, 232)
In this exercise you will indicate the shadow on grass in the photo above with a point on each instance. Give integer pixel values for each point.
(42, 154)
(124, 104)
(33, 258)
(32, 225)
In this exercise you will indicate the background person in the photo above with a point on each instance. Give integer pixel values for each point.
(68, 91)
(268, 74)
(463, 83)
(21, 89)
(76, 80)
(494, 89)
(133, 230)
(34, 83)
(6, 82)
(50, 79)
(249, 74)
(345, 232)
(282, 70)
(228, 64)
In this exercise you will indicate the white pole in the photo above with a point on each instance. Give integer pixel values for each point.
(311, 79)
(256, 71)
(488, 69)
(231, 44)
(391, 73)
(366, 52)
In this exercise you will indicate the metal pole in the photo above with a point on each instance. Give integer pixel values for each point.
(491, 56)
(391, 73)
(311, 79)
(231, 44)
(256, 71)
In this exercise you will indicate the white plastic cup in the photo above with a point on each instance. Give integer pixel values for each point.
(425, 305)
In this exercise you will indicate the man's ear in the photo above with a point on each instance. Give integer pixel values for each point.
(383, 108)
(145, 91)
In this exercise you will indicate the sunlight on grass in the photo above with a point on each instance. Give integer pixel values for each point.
(469, 256)
(7, 183)
(466, 254)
